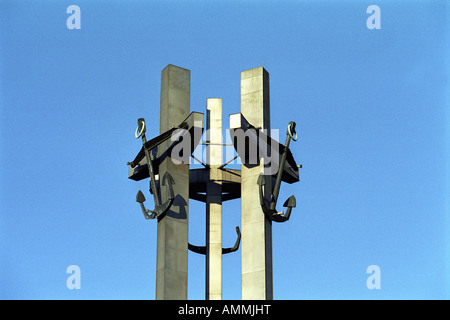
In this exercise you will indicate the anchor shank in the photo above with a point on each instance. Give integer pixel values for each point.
(151, 173)
(276, 189)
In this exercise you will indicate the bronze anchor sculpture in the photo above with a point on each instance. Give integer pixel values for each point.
(153, 152)
(160, 209)
(269, 207)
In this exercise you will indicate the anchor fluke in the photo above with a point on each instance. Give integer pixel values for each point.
(289, 204)
(141, 199)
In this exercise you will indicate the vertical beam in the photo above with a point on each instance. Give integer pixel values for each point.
(214, 200)
(172, 246)
(256, 229)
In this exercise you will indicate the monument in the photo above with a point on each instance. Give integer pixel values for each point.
(265, 163)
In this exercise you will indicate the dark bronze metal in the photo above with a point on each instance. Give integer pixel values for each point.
(202, 249)
(269, 207)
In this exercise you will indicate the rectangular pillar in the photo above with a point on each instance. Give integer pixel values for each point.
(256, 249)
(214, 200)
(172, 246)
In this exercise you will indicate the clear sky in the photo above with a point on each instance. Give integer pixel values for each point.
(371, 107)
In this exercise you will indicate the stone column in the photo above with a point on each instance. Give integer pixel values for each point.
(257, 283)
(214, 200)
(172, 246)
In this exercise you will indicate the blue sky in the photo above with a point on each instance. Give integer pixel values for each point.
(371, 108)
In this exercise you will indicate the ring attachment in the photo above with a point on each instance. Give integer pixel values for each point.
(291, 131)
(141, 123)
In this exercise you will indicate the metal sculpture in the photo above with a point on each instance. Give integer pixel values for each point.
(202, 249)
(269, 207)
(160, 209)
(143, 161)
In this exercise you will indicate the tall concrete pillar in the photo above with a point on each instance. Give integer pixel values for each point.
(172, 247)
(256, 248)
(214, 200)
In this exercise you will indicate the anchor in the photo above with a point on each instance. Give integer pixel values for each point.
(160, 209)
(144, 165)
(202, 249)
(269, 207)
